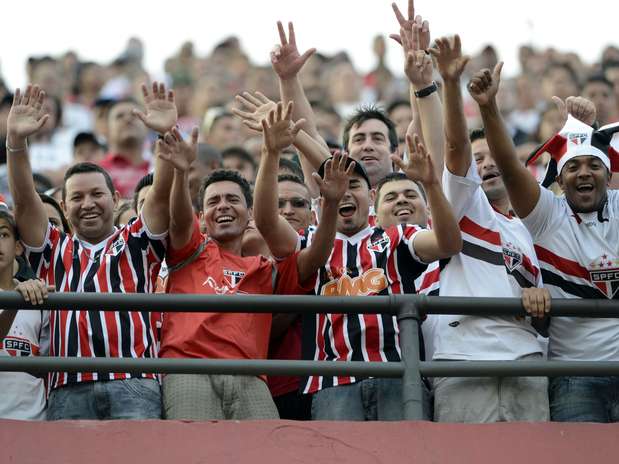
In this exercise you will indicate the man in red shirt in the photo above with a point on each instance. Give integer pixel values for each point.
(213, 264)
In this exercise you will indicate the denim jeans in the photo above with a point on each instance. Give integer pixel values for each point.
(366, 400)
(584, 399)
(135, 398)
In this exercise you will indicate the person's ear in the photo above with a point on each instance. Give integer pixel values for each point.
(19, 248)
(116, 198)
(202, 222)
(559, 181)
(372, 196)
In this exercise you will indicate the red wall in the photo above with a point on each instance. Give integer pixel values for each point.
(152, 442)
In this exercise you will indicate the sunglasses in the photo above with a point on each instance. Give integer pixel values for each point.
(295, 202)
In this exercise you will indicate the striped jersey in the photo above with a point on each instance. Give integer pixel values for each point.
(128, 261)
(579, 256)
(497, 260)
(374, 261)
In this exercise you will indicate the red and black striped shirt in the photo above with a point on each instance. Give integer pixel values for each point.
(128, 261)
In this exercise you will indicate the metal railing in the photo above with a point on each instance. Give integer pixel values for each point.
(409, 310)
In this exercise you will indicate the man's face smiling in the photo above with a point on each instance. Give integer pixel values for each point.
(585, 180)
(89, 206)
(491, 180)
(225, 213)
(369, 143)
(401, 202)
(354, 207)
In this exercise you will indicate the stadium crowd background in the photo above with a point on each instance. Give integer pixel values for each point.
(81, 90)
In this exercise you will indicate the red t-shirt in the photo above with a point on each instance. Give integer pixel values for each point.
(218, 272)
(287, 347)
(124, 174)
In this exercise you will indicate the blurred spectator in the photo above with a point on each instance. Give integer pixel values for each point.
(207, 161)
(221, 129)
(239, 160)
(399, 111)
(560, 80)
(600, 91)
(290, 168)
(86, 147)
(123, 213)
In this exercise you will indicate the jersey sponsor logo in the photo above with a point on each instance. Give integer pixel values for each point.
(210, 282)
(604, 274)
(371, 281)
(233, 278)
(512, 256)
(379, 245)
(16, 346)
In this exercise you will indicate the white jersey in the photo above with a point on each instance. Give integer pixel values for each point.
(23, 395)
(497, 260)
(579, 255)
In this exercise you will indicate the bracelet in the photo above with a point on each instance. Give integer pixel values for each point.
(16, 150)
(429, 90)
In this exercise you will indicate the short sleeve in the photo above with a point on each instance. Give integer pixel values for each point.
(287, 278)
(175, 257)
(138, 226)
(461, 191)
(548, 209)
(408, 234)
(40, 257)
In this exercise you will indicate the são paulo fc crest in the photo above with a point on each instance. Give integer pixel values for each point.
(17, 346)
(232, 278)
(379, 245)
(512, 256)
(577, 138)
(604, 274)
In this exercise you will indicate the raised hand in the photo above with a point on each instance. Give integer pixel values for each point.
(420, 166)
(26, 117)
(417, 65)
(336, 176)
(579, 107)
(161, 113)
(449, 58)
(285, 58)
(278, 129)
(257, 108)
(484, 85)
(419, 28)
(177, 151)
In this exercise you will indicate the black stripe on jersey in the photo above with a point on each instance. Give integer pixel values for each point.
(56, 343)
(408, 268)
(581, 291)
(522, 280)
(326, 380)
(147, 329)
(353, 326)
(134, 250)
(391, 353)
(483, 254)
(98, 336)
(76, 268)
(72, 341)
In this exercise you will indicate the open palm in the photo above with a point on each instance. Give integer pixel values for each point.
(26, 117)
(161, 113)
(449, 58)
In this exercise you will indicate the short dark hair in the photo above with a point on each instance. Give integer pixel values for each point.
(291, 178)
(145, 181)
(238, 152)
(120, 101)
(567, 68)
(51, 201)
(396, 104)
(8, 217)
(293, 167)
(85, 137)
(365, 113)
(477, 134)
(84, 168)
(221, 175)
(598, 78)
(394, 177)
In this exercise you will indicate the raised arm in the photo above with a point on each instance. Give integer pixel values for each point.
(444, 239)
(25, 119)
(332, 188)
(278, 132)
(160, 116)
(451, 63)
(522, 187)
(414, 37)
(179, 154)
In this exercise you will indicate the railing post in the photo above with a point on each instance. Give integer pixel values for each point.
(412, 394)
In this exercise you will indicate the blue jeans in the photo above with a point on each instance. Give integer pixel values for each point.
(366, 400)
(135, 398)
(584, 399)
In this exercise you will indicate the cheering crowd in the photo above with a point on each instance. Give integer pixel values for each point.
(235, 179)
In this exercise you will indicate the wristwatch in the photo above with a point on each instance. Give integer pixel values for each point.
(429, 90)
